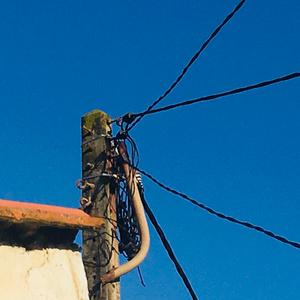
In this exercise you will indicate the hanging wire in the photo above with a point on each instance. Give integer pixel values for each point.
(168, 247)
(189, 64)
(129, 232)
(141, 276)
(219, 214)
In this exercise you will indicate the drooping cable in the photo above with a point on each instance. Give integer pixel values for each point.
(219, 214)
(220, 95)
(129, 231)
(189, 64)
(167, 246)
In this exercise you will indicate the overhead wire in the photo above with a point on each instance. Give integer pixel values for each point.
(219, 214)
(133, 119)
(220, 95)
(189, 64)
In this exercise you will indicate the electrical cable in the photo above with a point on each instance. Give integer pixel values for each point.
(141, 276)
(190, 63)
(168, 247)
(220, 95)
(219, 214)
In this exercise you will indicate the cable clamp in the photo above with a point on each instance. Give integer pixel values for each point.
(128, 118)
(112, 175)
(103, 174)
(122, 135)
(83, 184)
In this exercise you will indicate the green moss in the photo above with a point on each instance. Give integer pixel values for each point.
(95, 119)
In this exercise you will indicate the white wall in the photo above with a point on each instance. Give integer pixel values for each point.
(48, 274)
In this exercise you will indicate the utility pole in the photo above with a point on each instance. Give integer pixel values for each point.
(100, 248)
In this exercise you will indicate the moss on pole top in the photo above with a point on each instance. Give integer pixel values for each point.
(96, 120)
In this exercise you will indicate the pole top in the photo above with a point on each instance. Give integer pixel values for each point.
(96, 120)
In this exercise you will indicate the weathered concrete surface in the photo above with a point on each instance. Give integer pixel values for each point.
(47, 274)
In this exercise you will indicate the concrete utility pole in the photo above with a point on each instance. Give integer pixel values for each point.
(100, 248)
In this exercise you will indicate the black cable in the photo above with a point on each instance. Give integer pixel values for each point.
(168, 247)
(129, 231)
(219, 214)
(192, 60)
(219, 95)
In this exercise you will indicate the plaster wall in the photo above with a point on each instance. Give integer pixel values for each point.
(47, 274)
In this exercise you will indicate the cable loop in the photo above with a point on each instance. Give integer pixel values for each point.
(85, 201)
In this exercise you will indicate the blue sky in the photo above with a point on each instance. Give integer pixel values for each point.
(240, 155)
